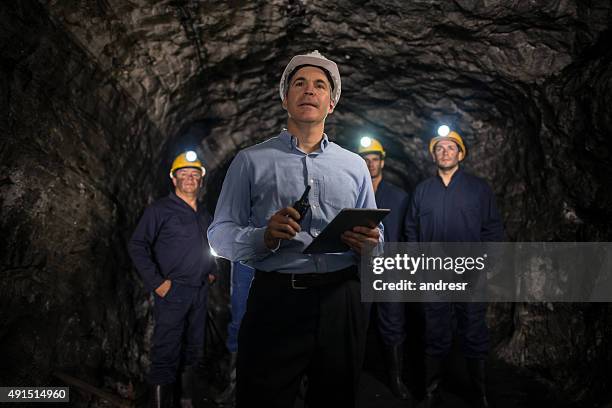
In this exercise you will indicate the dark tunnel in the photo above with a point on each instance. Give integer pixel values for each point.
(98, 97)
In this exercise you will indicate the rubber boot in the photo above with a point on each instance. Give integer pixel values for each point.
(433, 367)
(228, 397)
(477, 371)
(394, 356)
(187, 379)
(161, 396)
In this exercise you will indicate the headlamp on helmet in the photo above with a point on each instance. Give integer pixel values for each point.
(446, 133)
(188, 159)
(369, 145)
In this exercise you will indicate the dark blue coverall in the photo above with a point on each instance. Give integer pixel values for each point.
(391, 315)
(242, 275)
(170, 243)
(463, 211)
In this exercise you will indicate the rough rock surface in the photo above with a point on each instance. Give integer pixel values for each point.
(98, 96)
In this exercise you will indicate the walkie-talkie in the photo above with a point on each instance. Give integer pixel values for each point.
(302, 205)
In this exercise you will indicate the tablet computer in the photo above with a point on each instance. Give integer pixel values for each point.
(329, 240)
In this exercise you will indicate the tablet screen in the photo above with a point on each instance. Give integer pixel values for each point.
(329, 240)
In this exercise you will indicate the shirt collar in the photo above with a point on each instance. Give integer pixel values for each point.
(291, 141)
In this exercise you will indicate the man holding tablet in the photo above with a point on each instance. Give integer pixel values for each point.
(304, 315)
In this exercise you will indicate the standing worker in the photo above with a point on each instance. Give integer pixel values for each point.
(304, 314)
(170, 251)
(454, 206)
(391, 316)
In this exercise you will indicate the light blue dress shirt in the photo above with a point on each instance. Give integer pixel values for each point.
(272, 175)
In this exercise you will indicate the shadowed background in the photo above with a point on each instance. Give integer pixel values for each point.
(97, 97)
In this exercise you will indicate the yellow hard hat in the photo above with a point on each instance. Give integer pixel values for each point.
(369, 145)
(187, 159)
(445, 134)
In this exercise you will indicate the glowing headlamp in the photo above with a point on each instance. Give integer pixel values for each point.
(443, 130)
(191, 156)
(366, 141)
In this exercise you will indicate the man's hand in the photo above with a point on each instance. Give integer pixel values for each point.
(211, 278)
(282, 225)
(361, 238)
(163, 289)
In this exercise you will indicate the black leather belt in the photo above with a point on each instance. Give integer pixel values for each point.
(307, 280)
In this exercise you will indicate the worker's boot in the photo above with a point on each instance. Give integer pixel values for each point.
(187, 385)
(476, 370)
(161, 396)
(228, 397)
(394, 356)
(433, 367)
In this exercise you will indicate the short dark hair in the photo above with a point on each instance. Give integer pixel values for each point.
(296, 69)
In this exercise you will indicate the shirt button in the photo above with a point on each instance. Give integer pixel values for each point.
(311, 181)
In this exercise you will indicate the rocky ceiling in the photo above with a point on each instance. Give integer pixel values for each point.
(98, 96)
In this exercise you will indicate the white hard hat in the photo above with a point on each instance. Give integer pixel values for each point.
(314, 58)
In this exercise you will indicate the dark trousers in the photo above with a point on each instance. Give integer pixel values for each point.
(180, 319)
(391, 318)
(471, 328)
(286, 333)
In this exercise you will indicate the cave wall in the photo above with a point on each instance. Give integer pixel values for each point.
(77, 162)
(98, 96)
(515, 79)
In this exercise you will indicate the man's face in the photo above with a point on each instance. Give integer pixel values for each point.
(447, 154)
(308, 99)
(187, 180)
(375, 164)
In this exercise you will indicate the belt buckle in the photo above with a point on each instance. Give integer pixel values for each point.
(293, 285)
